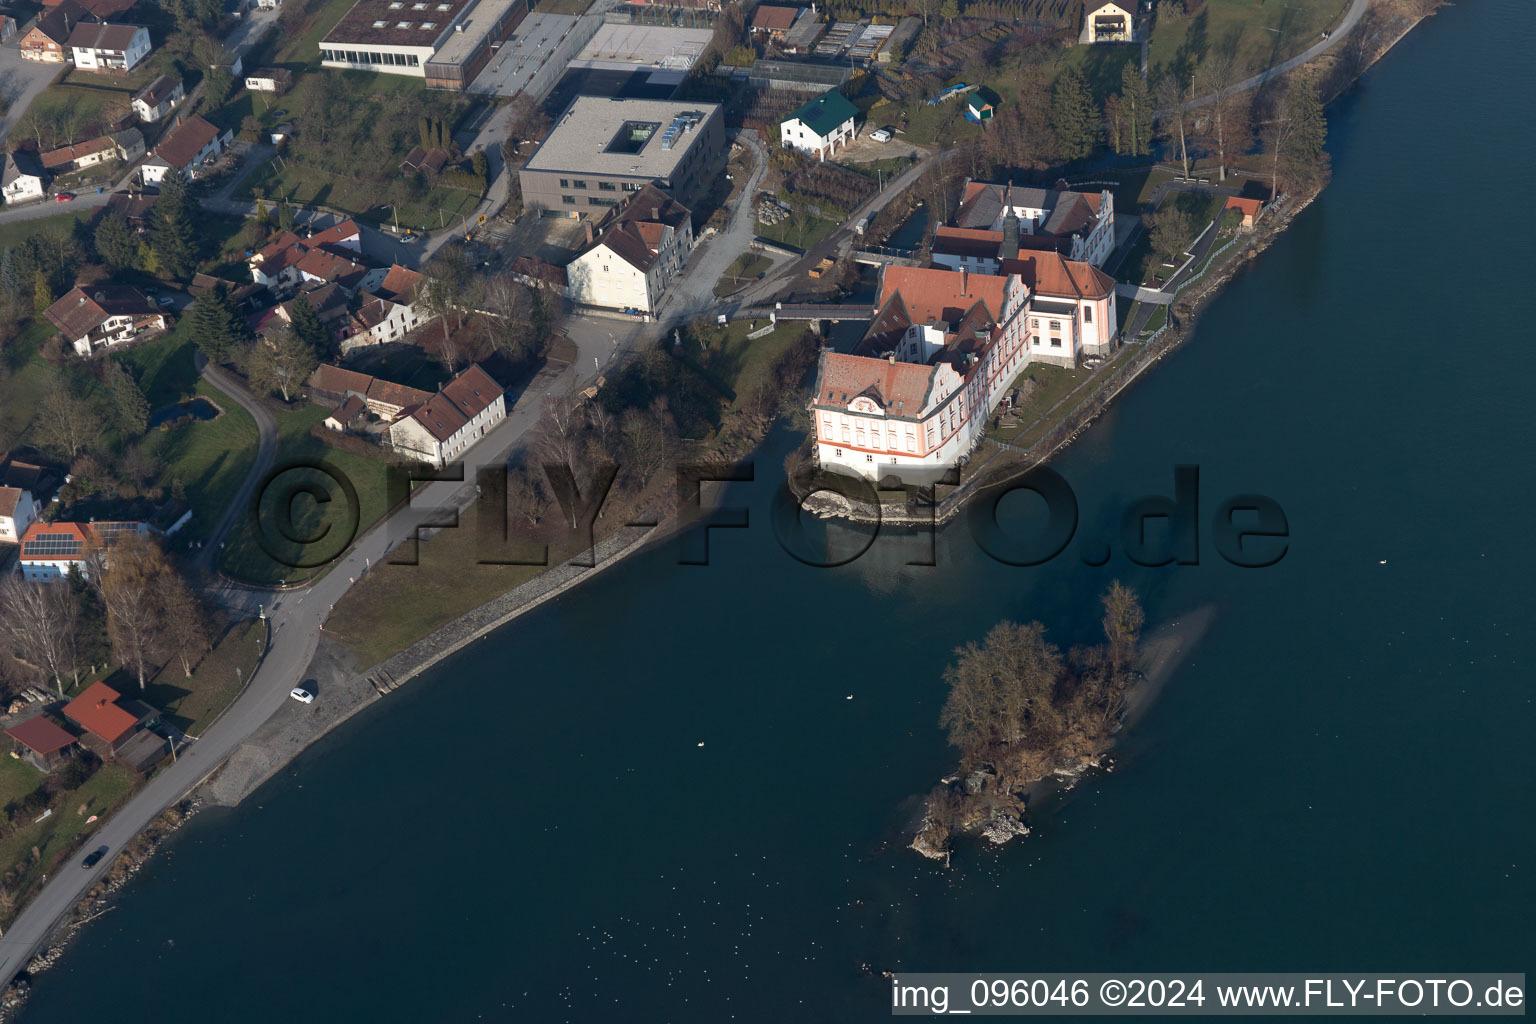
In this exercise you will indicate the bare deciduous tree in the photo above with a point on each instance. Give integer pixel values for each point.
(127, 576)
(39, 621)
(65, 422)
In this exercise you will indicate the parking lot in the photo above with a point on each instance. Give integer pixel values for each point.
(20, 83)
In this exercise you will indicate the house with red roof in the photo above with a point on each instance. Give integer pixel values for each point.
(1079, 225)
(1251, 209)
(41, 743)
(641, 250)
(50, 550)
(18, 510)
(443, 427)
(105, 315)
(117, 727)
(289, 261)
(189, 147)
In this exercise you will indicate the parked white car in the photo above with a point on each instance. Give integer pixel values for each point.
(881, 135)
(302, 695)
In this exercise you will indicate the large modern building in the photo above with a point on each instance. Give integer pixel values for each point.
(447, 42)
(602, 151)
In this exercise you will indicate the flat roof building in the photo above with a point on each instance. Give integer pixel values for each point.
(447, 42)
(602, 150)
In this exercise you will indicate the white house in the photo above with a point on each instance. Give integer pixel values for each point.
(1108, 23)
(388, 311)
(443, 427)
(20, 178)
(158, 98)
(103, 47)
(50, 550)
(107, 315)
(189, 147)
(17, 512)
(637, 256)
(820, 126)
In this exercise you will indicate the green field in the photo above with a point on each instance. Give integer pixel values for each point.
(743, 269)
(1259, 33)
(193, 704)
(13, 233)
(816, 228)
(329, 526)
(303, 185)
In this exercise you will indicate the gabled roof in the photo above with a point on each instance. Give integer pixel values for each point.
(158, 91)
(438, 417)
(335, 380)
(635, 231)
(329, 266)
(400, 283)
(944, 296)
(336, 234)
(473, 391)
(79, 312)
(60, 21)
(348, 410)
(21, 474)
(61, 541)
(398, 395)
(10, 497)
(66, 155)
(900, 388)
(537, 270)
(103, 37)
(185, 141)
(823, 114)
(775, 19)
(40, 735)
(973, 242)
(16, 165)
(97, 712)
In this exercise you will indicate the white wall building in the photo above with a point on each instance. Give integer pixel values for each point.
(446, 425)
(637, 256)
(21, 179)
(1079, 225)
(820, 126)
(101, 47)
(189, 147)
(17, 512)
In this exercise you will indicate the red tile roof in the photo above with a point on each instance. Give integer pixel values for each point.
(10, 497)
(438, 417)
(40, 735)
(472, 391)
(80, 312)
(335, 380)
(774, 19)
(400, 283)
(899, 388)
(975, 242)
(66, 155)
(1250, 207)
(336, 234)
(1052, 275)
(942, 295)
(185, 141)
(398, 395)
(346, 411)
(96, 711)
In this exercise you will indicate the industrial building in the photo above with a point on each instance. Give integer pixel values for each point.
(601, 151)
(447, 42)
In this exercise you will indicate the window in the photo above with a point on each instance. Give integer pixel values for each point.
(605, 268)
(578, 183)
(568, 199)
(1087, 314)
(418, 7)
(1035, 324)
(1055, 343)
(838, 452)
(595, 201)
(869, 458)
(413, 60)
(1055, 325)
(402, 24)
(379, 24)
(565, 183)
(607, 186)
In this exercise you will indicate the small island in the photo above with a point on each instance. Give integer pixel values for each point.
(1020, 712)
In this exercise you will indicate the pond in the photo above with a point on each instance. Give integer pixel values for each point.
(194, 408)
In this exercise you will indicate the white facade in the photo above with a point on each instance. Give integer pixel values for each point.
(97, 58)
(410, 437)
(151, 113)
(606, 275)
(115, 330)
(21, 185)
(154, 170)
(17, 512)
(382, 320)
(385, 57)
(796, 134)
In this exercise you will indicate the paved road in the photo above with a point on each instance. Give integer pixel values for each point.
(294, 621)
(266, 451)
(1197, 254)
(21, 81)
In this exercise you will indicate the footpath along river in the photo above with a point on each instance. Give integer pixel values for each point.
(652, 800)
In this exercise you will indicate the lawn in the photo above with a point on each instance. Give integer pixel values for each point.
(742, 270)
(1259, 34)
(279, 180)
(304, 48)
(53, 837)
(13, 233)
(209, 457)
(816, 228)
(29, 378)
(330, 526)
(77, 113)
(1050, 383)
(736, 364)
(193, 704)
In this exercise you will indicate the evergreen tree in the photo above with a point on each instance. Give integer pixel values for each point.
(129, 406)
(285, 216)
(1136, 109)
(1074, 117)
(116, 244)
(306, 324)
(217, 327)
(42, 295)
(262, 216)
(171, 232)
(441, 135)
(1300, 131)
(424, 130)
(8, 282)
(481, 166)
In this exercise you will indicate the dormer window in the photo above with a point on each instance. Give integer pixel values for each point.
(379, 24)
(402, 24)
(429, 24)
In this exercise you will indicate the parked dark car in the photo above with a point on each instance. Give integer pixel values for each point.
(94, 857)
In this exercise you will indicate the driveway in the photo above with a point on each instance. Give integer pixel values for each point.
(20, 83)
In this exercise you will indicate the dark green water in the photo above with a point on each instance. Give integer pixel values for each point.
(1338, 780)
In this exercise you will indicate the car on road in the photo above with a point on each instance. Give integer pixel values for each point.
(166, 300)
(63, 197)
(94, 857)
(408, 239)
(881, 135)
(303, 694)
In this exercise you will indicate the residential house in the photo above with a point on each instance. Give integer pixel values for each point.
(79, 156)
(50, 550)
(104, 47)
(269, 5)
(189, 147)
(383, 398)
(48, 38)
(941, 352)
(18, 511)
(273, 80)
(636, 257)
(1079, 225)
(443, 427)
(21, 179)
(289, 261)
(345, 414)
(41, 743)
(1108, 22)
(387, 312)
(107, 315)
(772, 22)
(130, 144)
(158, 98)
(99, 10)
(819, 126)
(117, 727)
(134, 207)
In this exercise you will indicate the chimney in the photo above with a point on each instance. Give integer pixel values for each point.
(892, 358)
(587, 226)
(656, 213)
(963, 281)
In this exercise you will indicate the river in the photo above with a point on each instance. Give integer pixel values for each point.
(653, 800)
